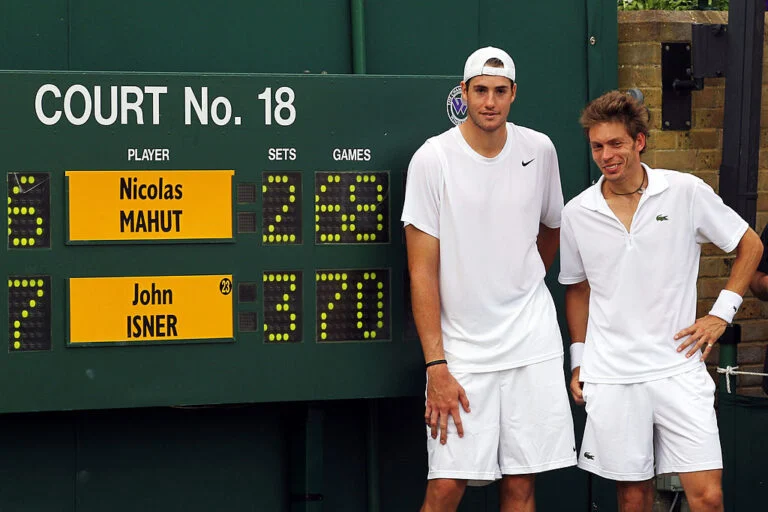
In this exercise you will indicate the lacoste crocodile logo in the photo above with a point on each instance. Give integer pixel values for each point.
(661, 218)
(589, 456)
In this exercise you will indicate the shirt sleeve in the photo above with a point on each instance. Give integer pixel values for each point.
(714, 221)
(571, 266)
(763, 267)
(423, 188)
(552, 204)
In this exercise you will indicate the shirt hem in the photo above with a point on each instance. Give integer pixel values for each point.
(486, 368)
(735, 242)
(611, 475)
(677, 370)
(571, 280)
(421, 227)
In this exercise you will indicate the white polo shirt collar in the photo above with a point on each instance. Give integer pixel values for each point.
(594, 199)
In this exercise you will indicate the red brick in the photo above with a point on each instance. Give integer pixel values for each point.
(709, 97)
(762, 180)
(708, 118)
(638, 32)
(762, 218)
(762, 202)
(711, 250)
(679, 160)
(640, 54)
(708, 159)
(714, 82)
(675, 32)
(762, 162)
(705, 139)
(711, 178)
(752, 309)
(649, 158)
(710, 287)
(713, 267)
(660, 139)
(751, 391)
(756, 330)
(652, 96)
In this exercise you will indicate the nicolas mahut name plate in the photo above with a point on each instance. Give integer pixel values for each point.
(150, 309)
(149, 205)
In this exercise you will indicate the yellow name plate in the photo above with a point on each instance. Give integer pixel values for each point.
(139, 309)
(149, 205)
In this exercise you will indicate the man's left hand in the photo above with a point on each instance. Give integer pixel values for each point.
(703, 333)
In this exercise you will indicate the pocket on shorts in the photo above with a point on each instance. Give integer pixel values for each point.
(584, 390)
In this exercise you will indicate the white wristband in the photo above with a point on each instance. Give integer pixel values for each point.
(726, 305)
(577, 353)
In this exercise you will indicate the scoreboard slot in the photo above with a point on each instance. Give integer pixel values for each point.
(352, 305)
(281, 208)
(29, 313)
(351, 207)
(29, 206)
(282, 306)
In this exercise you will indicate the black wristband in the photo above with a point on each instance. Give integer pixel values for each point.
(435, 362)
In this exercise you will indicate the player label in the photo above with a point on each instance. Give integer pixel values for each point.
(149, 205)
(161, 308)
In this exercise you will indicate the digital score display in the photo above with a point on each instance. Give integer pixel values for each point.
(352, 305)
(282, 306)
(351, 207)
(281, 208)
(29, 313)
(149, 205)
(142, 309)
(29, 206)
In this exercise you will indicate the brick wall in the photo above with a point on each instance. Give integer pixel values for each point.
(698, 151)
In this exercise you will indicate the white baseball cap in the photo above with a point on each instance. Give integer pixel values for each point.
(475, 64)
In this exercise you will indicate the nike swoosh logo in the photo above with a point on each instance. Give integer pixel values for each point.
(529, 161)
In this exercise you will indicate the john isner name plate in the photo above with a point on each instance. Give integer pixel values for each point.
(140, 309)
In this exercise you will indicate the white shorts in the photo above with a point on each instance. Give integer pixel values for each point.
(673, 417)
(520, 424)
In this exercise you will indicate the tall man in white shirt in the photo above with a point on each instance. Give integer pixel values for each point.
(482, 212)
(630, 247)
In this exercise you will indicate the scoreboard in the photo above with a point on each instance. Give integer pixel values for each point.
(183, 239)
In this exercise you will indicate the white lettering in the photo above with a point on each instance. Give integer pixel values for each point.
(112, 106)
(351, 154)
(47, 120)
(201, 108)
(131, 105)
(282, 154)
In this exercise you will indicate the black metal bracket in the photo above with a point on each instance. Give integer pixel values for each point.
(684, 65)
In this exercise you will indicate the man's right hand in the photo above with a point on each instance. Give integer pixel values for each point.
(443, 397)
(576, 387)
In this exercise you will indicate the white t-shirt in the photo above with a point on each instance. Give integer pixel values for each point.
(496, 312)
(643, 282)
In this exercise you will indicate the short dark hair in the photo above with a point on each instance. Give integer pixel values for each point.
(615, 106)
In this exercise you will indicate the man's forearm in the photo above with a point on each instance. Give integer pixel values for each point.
(547, 243)
(577, 310)
(424, 271)
(425, 300)
(748, 254)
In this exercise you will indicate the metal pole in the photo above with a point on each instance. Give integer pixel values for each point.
(357, 8)
(741, 133)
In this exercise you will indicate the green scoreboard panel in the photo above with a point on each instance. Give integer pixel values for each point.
(201, 239)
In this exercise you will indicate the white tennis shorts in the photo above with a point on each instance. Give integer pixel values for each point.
(673, 418)
(520, 424)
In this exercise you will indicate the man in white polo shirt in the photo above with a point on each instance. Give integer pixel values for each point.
(482, 211)
(630, 248)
